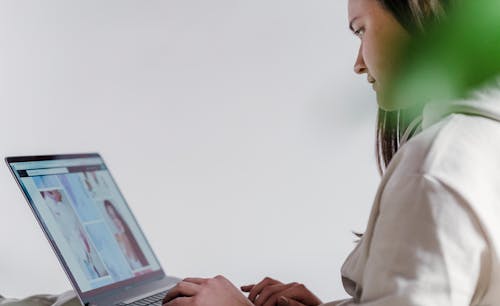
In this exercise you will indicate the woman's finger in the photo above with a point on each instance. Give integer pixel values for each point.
(195, 280)
(181, 301)
(247, 288)
(269, 291)
(182, 289)
(283, 301)
(297, 292)
(255, 291)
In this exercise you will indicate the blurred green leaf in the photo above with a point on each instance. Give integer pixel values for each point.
(452, 58)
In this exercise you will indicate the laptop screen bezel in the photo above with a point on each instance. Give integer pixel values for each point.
(128, 283)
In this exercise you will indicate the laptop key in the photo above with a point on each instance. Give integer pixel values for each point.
(154, 300)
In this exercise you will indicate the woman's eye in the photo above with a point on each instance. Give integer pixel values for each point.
(359, 32)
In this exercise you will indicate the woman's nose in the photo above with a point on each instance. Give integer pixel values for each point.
(360, 66)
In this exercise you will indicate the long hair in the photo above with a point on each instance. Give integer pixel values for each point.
(414, 16)
(136, 248)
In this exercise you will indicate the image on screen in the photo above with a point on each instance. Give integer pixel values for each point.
(87, 218)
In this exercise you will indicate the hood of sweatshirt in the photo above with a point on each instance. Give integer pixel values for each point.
(484, 102)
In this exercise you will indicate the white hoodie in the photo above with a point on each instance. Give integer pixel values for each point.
(433, 236)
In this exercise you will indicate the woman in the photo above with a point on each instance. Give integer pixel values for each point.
(125, 238)
(433, 233)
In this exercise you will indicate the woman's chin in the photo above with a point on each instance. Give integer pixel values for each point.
(384, 102)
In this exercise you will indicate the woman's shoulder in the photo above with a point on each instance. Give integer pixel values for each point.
(458, 155)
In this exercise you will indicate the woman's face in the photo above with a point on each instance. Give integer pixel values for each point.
(381, 37)
(55, 195)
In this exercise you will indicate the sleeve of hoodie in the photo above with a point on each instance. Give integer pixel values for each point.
(67, 298)
(427, 248)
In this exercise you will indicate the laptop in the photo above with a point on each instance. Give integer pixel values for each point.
(91, 229)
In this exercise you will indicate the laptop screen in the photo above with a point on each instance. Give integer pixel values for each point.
(84, 214)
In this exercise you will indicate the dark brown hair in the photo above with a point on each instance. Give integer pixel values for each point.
(414, 16)
(128, 233)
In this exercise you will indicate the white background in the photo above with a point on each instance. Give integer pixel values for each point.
(237, 130)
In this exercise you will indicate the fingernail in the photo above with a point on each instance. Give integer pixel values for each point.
(282, 301)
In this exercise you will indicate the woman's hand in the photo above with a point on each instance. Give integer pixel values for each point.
(270, 292)
(205, 292)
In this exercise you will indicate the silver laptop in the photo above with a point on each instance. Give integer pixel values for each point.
(91, 229)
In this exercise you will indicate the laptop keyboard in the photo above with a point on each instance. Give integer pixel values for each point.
(154, 300)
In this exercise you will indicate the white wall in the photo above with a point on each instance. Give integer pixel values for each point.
(236, 129)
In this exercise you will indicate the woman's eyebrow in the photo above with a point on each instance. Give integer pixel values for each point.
(351, 27)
